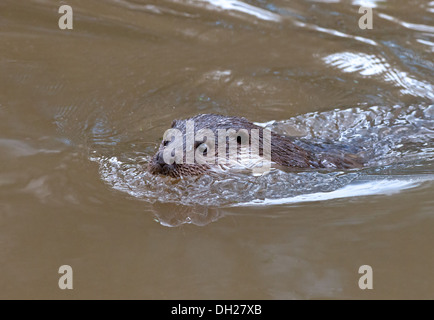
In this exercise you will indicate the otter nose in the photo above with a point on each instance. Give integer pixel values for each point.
(160, 159)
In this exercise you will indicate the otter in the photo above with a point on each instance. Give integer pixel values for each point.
(286, 151)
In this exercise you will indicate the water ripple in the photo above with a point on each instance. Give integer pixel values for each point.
(335, 33)
(412, 26)
(239, 6)
(371, 65)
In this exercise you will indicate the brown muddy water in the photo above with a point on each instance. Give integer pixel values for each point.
(82, 111)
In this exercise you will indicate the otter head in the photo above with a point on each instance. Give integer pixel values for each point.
(194, 146)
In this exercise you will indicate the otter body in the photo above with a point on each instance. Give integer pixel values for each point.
(285, 151)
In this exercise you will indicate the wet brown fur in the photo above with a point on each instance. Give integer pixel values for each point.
(284, 150)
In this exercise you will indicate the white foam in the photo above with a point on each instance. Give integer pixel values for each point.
(356, 189)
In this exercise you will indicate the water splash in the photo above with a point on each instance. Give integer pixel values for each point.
(395, 139)
(360, 188)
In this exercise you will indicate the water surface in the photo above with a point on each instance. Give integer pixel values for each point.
(82, 111)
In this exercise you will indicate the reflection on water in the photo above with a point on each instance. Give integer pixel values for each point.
(413, 26)
(235, 5)
(378, 186)
(369, 65)
(82, 110)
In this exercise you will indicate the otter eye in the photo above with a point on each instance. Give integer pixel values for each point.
(165, 143)
(202, 148)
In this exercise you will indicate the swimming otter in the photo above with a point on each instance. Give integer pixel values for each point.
(285, 151)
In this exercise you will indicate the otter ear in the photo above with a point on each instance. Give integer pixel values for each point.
(173, 123)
